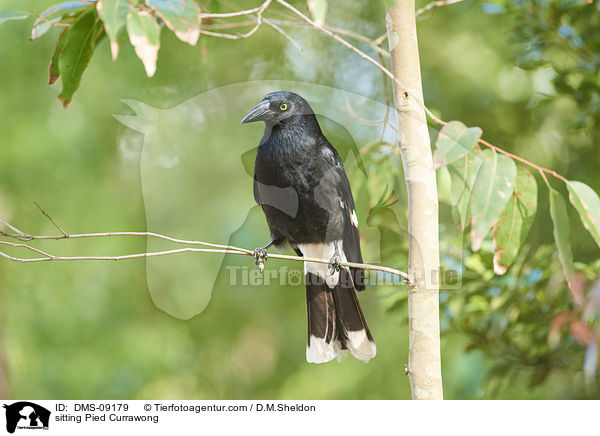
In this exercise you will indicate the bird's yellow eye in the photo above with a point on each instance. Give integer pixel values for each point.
(283, 107)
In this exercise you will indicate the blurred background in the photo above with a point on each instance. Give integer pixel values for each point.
(526, 72)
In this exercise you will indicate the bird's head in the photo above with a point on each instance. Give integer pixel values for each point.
(276, 107)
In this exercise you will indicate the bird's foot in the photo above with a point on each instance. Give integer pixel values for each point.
(334, 263)
(260, 257)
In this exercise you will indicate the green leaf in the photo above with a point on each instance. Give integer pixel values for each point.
(587, 204)
(514, 222)
(560, 219)
(318, 11)
(43, 28)
(181, 16)
(54, 72)
(462, 175)
(454, 140)
(144, 35)
(114, 15)
(79, 46)
(13, 15)
(492, 189)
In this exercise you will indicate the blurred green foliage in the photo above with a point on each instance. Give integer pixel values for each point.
(91, 330)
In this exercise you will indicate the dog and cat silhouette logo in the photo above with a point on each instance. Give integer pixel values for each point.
(26, 415)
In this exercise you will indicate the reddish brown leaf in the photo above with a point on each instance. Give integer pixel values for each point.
(581, 332)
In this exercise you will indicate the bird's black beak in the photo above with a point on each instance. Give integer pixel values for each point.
(257, 113)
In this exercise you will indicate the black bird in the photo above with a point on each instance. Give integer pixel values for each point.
(300, 183)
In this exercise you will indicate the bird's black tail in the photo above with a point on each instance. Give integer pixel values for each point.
(335, 320)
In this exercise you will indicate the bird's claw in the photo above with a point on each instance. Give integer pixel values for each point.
(334, 263)
(260, 256)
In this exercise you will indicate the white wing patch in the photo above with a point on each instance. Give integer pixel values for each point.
(354, 219)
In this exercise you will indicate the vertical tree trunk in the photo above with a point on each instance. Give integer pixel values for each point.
(424, 362)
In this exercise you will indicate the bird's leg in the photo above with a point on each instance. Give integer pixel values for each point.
(261, 255)
(336, 259)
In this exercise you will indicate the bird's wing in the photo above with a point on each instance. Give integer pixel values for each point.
(351, 236)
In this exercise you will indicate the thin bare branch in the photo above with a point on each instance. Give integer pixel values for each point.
(234, 36)
(284, 33)
(240, 251)
(436, 4)
(28, 237)
(259, 21)
(223, 35)
(235, 25)
(28, 247)
(252, 11)
(13, 228)
(49, 257)
(338, 30)
(214, 248)
(540, 169)
(50, 218)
